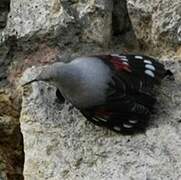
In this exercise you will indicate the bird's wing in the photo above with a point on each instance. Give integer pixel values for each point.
(129, 96)
(126, 116)
(135, 76)
(136, 70)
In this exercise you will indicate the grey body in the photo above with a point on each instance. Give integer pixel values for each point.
(83, 81)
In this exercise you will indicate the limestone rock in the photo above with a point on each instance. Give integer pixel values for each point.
(68, 21)
(156, 22)
(3, 175)
(60, 144)
(11, 147)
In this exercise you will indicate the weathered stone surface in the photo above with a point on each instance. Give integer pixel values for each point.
(156, 22)
(4, 62)
(12, 62)
(60, 144)
(68, 21)
(11, 147)
(3, 175)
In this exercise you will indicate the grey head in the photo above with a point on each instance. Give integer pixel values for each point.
(49, 73)
(65, 77)
(83, 81)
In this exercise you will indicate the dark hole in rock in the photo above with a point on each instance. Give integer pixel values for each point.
(120, 18)
(122, 29)
(4, 10)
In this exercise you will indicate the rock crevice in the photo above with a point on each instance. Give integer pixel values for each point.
(4, 10)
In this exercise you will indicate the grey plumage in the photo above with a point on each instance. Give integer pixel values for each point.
(83, 81)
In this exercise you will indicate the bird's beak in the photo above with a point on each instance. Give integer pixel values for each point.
(34, 80)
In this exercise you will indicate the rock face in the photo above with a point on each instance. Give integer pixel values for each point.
(156, 22)
(11, 145)
(87, 21)
(58, 142)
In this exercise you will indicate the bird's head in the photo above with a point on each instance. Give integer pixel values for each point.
(47, 74)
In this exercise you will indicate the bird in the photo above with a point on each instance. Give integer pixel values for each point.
(115, 91)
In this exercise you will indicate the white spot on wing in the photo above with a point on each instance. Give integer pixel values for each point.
(125, 63)
(138, 57)
(133, 121)
(117, 128)
(117, 55)
(120, 56)
(105, 120)
(149, 66)
(147, 61)
(114, 54)
(124, 59)
(150, 73)
(95, 119)
(127, 126)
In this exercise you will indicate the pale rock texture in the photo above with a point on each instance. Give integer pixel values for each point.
(156, 22)
(68, 21)
(60, 144)
(11, 159)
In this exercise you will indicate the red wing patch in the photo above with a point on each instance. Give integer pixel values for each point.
(120, 64)
(102, 112)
